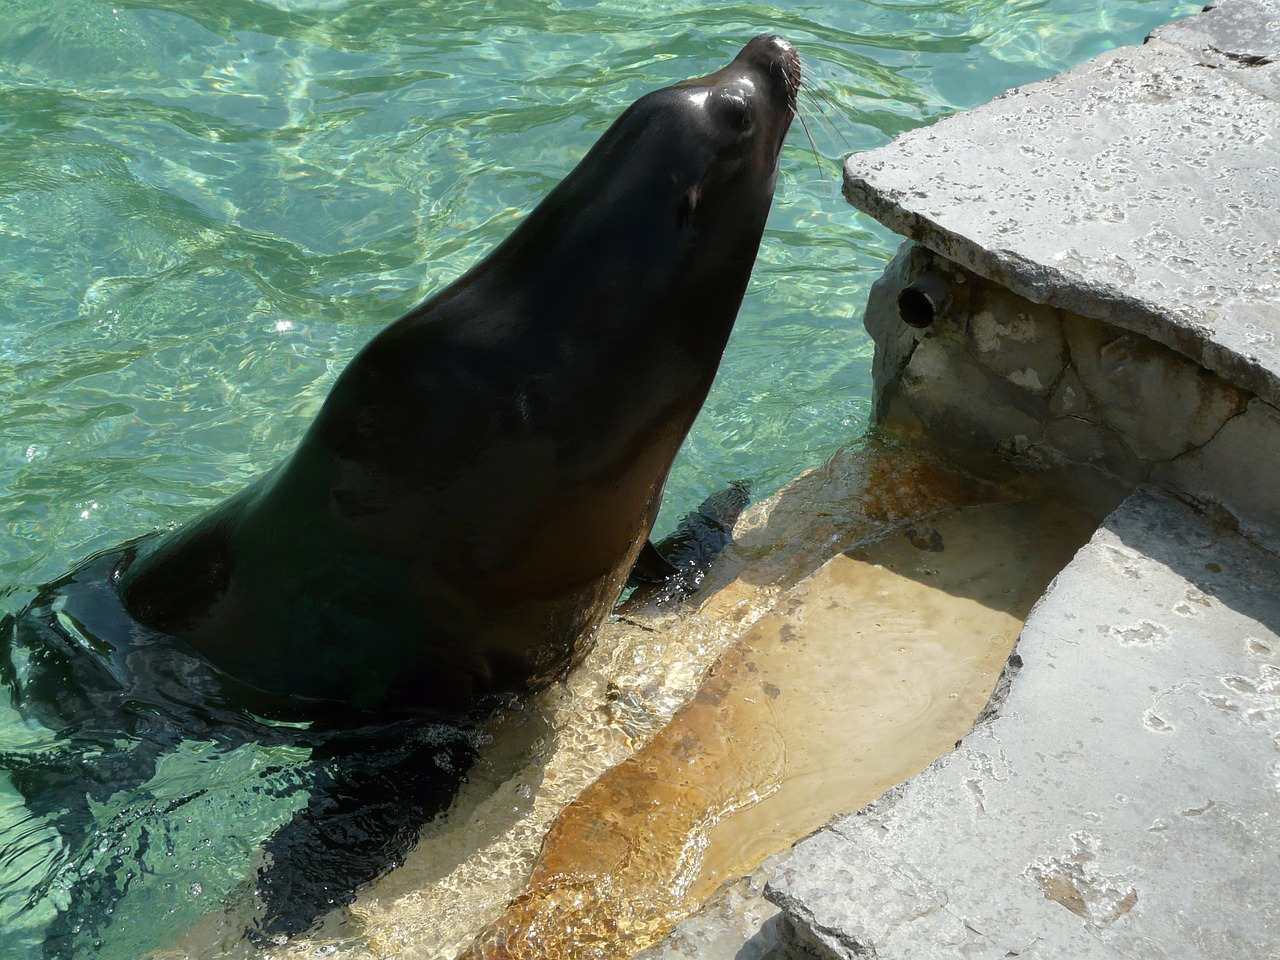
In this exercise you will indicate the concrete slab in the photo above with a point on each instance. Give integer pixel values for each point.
(1123, 802)
(1234, 33)
(1141, 188)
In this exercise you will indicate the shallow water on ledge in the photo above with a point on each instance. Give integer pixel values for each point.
(205, 209)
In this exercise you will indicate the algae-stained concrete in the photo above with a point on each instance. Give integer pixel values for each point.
(1141, 189)
(858, 677)
(1106, 248)
(1123, 802)
(1050, 390)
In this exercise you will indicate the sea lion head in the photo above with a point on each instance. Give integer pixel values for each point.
(706, 150)
(673, 198)
(742, 112)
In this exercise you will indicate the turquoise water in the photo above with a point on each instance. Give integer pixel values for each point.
(207, 206)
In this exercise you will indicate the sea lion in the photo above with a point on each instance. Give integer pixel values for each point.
(461, 515)
(466, 506)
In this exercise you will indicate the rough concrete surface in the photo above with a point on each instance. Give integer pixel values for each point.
(1160, 404)
(1122, 797)
(1234, 33)
(1124, 802)
(1141, 188)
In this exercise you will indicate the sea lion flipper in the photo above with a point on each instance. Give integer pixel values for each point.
(705, 532)
(678, 564)
(651, 567)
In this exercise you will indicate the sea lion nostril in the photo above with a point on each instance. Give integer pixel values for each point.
(782, 49)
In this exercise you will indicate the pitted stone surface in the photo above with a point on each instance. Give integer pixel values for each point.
(1123, 802)
(1246, 32)
(1141, 189)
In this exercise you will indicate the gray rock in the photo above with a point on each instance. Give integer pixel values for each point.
(1121, 802)
(968, 405)
(1141, 189)
(1020, 340)
(1094, 445)
(738, 923)
(894, 340)
(1070, 399)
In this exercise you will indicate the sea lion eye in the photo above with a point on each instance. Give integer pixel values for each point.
(741, 116)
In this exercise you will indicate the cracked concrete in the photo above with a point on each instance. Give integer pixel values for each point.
(1236, 469)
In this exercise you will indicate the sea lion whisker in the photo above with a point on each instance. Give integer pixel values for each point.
(816, 93)
(817, 158)
(794, 69)
(793, 77)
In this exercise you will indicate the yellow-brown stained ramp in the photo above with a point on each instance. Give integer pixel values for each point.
(864, 672)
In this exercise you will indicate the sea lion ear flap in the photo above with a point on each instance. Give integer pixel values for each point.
(688, 204)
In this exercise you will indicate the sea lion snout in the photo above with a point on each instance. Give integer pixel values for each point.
(777, 58)
(768, 48)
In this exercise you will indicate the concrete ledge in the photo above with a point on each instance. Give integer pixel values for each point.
(1141, 189)
(1093, 284)
(1091, 287)
(1123, 801)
